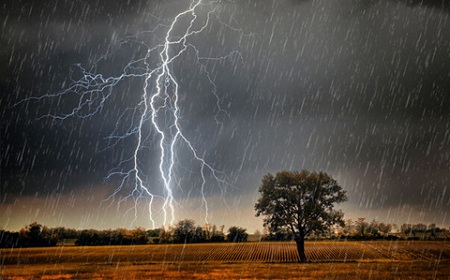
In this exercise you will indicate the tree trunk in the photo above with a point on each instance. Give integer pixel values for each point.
(300, 241)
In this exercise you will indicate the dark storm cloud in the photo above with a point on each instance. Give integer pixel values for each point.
(351, 89)
(434, 4)
(41, 42)
(356, 88)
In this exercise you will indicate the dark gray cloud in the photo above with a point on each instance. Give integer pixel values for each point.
(355, 88)
(433, 4)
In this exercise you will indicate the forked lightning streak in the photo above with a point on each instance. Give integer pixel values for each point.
(159, 110)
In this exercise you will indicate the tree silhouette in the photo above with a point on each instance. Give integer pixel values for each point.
(237, 234)
(303, 202)
(184, 231)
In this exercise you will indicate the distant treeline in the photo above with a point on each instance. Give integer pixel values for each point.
(363, 230)
(185, 231)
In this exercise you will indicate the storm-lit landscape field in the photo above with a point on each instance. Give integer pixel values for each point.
(225, 139)
(251, 260)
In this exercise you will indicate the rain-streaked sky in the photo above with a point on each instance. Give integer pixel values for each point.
(358, 89)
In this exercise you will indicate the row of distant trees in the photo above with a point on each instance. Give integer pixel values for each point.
(361, 229)
(36, 235)
(185, 231)
(375, 229)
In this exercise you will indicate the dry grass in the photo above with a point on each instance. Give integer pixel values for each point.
(331, 260)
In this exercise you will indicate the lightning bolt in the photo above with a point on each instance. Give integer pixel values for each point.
(158, 109)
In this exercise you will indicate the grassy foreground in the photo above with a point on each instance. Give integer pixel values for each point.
(330, 260)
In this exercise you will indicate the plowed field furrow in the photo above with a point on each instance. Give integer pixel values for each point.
(236, 252)
(422, 250)
(254, 253)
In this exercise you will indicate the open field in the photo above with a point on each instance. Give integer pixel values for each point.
(276, 260)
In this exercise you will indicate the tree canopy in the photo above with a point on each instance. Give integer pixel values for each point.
(303, 202)
(237, 234)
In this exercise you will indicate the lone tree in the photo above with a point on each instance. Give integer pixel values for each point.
(301, 202)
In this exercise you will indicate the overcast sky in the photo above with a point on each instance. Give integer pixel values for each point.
(358, 89)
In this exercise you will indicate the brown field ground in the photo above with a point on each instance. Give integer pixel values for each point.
(253, 260)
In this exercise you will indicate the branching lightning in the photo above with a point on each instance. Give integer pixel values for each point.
(158, 110)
